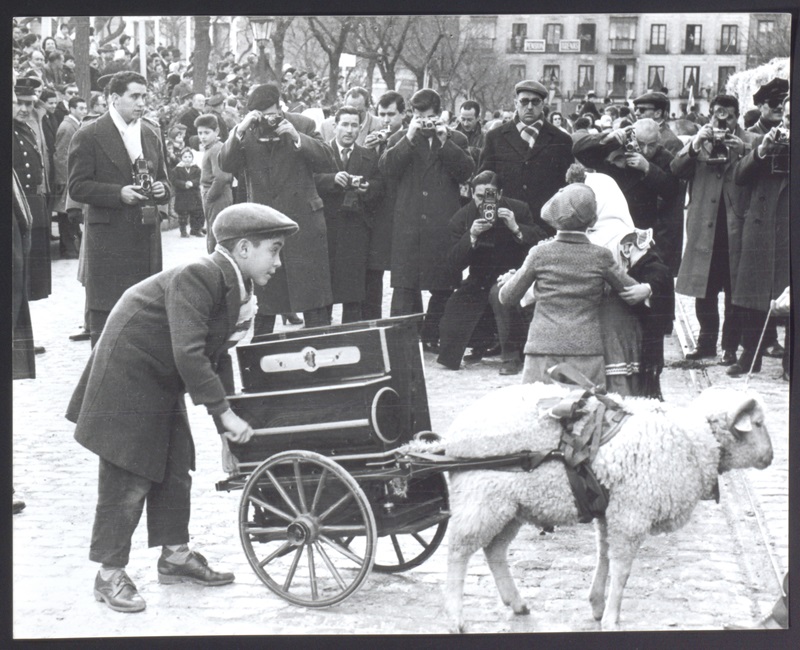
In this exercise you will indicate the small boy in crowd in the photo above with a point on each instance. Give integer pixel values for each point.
(216, 184)
(188, 204)
(645, 265)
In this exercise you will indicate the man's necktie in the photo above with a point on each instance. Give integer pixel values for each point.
(530, 133)
(345, 156)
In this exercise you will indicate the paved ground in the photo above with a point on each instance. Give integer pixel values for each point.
(721, 567)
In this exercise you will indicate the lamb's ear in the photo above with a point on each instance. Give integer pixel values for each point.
(739, 417)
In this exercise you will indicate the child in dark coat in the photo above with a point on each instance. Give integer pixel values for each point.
(656, 313)
(188, 202)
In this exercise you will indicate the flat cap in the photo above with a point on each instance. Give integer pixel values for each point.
(106, 48)
(263, 96)
(243, 219)
(531, 86)
(573, 207)
(215, 100)
(26, 87)
(775, 89)
(659, 100)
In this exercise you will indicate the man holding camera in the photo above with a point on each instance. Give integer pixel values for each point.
(359, 99)
(279, 153)
(713, 234)
(427, 161)
(116, 167)
(348, 196)
(763, 270)
(489, 236)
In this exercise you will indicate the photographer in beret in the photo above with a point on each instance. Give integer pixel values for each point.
(167, 336)
(279, 163)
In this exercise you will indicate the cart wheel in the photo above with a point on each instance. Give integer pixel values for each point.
(396, 552)
(295, 509)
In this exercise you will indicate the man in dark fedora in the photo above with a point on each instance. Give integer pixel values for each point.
(530, 155)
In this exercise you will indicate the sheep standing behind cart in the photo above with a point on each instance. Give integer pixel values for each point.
(663, 460)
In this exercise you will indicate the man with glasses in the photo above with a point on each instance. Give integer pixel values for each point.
(769, 101)
(655, 106)
(713, 237)
(530, 155)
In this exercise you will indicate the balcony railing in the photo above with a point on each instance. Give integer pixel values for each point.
(551, 47)
(621, 45)
(618, 88)
(588, 46)
(728, 48)
(693, 48)
(516, 44)
(655, 48)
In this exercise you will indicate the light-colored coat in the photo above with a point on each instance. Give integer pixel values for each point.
(68, 127)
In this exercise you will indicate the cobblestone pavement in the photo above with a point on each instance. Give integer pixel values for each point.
(721, 567)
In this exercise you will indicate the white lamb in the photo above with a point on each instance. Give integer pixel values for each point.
(663, 460)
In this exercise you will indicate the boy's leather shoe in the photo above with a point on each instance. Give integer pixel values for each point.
(118, 592)
(511, 367)
(195, 569)
(728, 358)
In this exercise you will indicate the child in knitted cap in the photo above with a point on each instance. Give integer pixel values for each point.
(570, 273)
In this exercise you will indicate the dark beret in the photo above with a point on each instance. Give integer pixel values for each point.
(775, 89)
(263, 96)
(243, 219)
(215, 100)
(659, 100)
(531, 86)
(573, 207)
(26, 87)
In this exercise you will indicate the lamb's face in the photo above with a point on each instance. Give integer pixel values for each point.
(747, 443)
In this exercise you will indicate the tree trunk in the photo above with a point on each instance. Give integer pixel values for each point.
(202, 49)
(80, 49)
(370, 74)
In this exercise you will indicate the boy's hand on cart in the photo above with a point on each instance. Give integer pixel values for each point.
(236, 429)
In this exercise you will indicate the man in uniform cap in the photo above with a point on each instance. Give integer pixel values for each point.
(530, 155)
(656, 107)
(769, 100)
(167, 336)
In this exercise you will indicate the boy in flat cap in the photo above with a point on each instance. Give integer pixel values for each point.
(168, 335)
(570, 273)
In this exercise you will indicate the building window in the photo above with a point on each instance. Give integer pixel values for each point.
(518, 71)
(586, 35)
(658, 39)
(622, 35)
(729, 40)
(725, 71)
(483, 31)
(766, 28)
(585, 79)
(551, 78)
(691, 80)
(552, 35)
(519, 32)
(694, 39)
(619, 80)
(655, 78)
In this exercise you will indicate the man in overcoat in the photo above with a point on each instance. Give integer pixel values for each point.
(427, 161)
(713, 235)
(530, 155)
(167, 336)
(488, 249)
(69, 229)
(279, 164)
(349, 212)
(122, 237)
(763, 271)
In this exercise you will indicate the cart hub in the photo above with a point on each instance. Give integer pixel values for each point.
(302, 530)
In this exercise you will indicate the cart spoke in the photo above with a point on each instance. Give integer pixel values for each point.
(266, 530)
(312, 572)
(397, 550)
(422, 541)
(329, 564)
(322, 478)
(299, 481)
(345, 498)
(349, 530)
(282, 550)
(292, 568)
(344, 551)
(282, 492)
(266, 506)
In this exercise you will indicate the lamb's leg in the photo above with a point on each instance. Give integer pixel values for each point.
(621, 556)
(496, 555)
(597, 593)
(458, 555)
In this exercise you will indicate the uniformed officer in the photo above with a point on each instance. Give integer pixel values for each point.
(28, 162)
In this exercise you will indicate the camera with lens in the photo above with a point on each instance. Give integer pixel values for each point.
(779, 157)
(489, 205)
(427, 125)
(142, 177)
(382, 135)
(351, 201)
(719, 154)
(631, 143)
(266, 127)
(355, 182)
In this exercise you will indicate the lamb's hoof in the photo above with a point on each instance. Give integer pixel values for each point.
(521, 610)
(609, 626)
(597, 612)
(458, 628)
